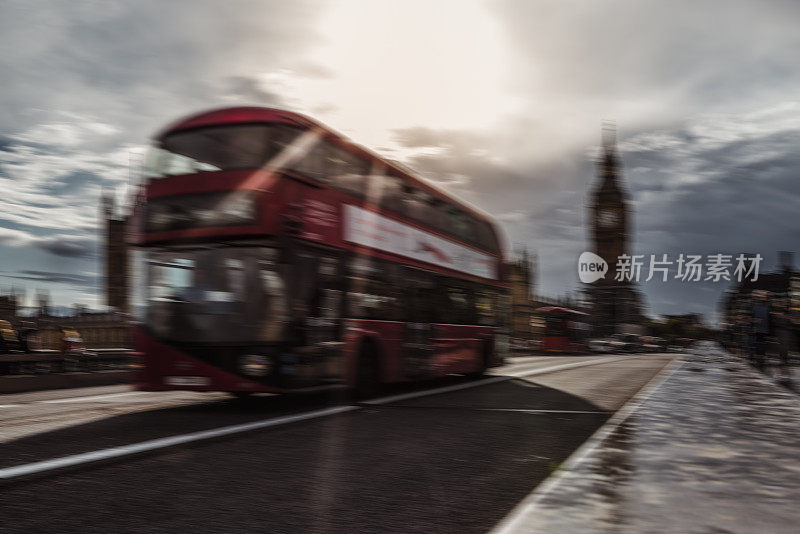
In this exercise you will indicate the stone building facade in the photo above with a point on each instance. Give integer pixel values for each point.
(520, 274)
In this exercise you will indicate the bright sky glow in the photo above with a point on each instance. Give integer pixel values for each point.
(402, 64)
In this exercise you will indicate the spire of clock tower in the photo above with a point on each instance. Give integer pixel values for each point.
(608, 211)
(608, 166)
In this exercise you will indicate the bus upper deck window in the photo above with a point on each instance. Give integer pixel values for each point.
(416, 203)
(346, 171)
(312, 164)
(390, 193)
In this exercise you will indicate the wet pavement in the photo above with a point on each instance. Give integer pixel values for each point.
(787, 376)
(714, 449)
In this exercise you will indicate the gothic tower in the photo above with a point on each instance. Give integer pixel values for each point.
(613, 302)
(116, 256)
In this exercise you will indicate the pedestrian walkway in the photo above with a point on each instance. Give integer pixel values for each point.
(787, 376)
(714, 449)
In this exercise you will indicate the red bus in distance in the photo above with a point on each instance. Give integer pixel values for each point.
(565, 330)
(272, 255)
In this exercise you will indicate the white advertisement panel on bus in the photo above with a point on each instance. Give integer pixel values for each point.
(367, 228)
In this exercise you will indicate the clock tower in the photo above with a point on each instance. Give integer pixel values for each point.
(616, 305)
(608, 207)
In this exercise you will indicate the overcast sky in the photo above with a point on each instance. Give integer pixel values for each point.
(499, 102)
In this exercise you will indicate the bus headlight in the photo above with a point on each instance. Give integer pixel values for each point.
(256, 365)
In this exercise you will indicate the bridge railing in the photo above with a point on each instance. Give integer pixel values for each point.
(51, 361)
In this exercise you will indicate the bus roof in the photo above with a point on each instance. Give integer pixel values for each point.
(250, 114)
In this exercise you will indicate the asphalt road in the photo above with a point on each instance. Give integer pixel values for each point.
(457, 460)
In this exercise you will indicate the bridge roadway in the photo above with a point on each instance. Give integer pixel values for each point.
(444, 456)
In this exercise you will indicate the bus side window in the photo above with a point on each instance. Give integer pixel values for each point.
(485, 236)
(328, 298)
(370, 292)
(485, 307)
(434, 213)
(313, 163)
(417, 204)
(418, 296)
(453, 221)
(346, 172)
(281, 138)
(471, 229)
(439, 214)
(461, 305)
(462, 225)
(472, 306)
(390, 193)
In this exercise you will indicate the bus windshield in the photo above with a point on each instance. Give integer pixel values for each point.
(217, 148)
(216, 295)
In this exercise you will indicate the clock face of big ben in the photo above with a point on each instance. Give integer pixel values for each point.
(607, 218)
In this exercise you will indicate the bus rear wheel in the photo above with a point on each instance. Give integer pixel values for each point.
(486, 357)
(368, 377)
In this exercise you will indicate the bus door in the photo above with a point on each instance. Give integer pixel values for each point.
(373, 310)
(418, 303)
(315, 316)
(457, 348)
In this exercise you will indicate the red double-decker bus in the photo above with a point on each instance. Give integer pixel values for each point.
(272, 255)
(565, 330)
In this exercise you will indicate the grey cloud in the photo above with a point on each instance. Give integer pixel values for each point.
(312, 69)
(73, 182)
(422, 137)
(55, 277)
(139, 65)
(680, 54)
(70, 247)
(252, 90)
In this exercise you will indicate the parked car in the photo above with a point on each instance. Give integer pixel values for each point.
(627, 343)
(650, 344)
(600, 345)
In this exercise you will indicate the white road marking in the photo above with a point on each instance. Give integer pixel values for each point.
(515, 521)
(522, 410)
(92, 398)
(11, 473)
(487, 381)
(10, 405)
